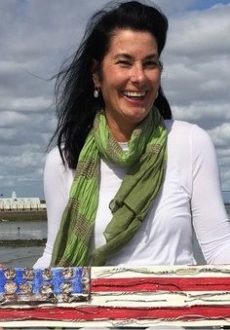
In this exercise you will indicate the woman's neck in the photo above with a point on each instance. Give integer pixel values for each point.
(121, 131)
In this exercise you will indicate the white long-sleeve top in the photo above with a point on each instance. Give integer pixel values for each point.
(190, 197)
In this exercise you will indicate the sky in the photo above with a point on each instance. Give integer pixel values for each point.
(37, 36)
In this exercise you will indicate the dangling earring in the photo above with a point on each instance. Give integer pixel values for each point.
(156, 95)
(96, 93)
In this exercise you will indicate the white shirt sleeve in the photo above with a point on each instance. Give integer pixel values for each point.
(210, 219)
(56, 177)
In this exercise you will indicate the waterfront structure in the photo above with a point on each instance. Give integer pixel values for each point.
(15, 203)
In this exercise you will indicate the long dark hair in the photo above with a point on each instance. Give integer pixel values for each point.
(76, 106)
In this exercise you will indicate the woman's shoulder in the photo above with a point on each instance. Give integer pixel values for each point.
(54, 160)
(54, 155)
(179, 126)
(56, 172)
(187, 141)
(185, 132)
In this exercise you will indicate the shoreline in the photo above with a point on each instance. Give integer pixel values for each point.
(22, 243)
(23, 215)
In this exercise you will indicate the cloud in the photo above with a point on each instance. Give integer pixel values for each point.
(201, 34)
(196, 75)
(24, 104)
(221, 135)
(9, 118)
(203, 112)
(197, 57)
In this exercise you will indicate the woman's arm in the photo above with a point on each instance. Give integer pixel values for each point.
(210, 219)
(56, 181)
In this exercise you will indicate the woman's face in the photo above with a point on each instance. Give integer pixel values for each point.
(129, 80)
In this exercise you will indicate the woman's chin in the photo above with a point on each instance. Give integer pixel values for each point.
(137, 116)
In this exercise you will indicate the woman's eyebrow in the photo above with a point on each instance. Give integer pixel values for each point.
(152, 56)
(125, 55)
(128, 56)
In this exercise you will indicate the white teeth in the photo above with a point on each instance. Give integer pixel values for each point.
(134, 94)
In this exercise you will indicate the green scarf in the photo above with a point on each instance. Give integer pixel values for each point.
(145, 166)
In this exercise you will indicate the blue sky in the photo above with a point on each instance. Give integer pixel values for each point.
(37, 36)
(200, 5)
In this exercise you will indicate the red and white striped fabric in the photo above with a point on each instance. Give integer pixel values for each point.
(139, 297)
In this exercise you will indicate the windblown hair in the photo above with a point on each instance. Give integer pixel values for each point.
(76, 106)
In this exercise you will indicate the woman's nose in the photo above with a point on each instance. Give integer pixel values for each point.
(138, 74)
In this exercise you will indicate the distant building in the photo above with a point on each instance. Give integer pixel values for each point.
(21, 203)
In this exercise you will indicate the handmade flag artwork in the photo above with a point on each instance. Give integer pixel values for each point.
(115, 296)
(49, 285)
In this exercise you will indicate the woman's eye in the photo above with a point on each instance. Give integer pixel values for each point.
(124, 63)
(153, 64)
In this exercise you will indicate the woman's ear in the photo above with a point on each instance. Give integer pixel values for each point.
(95, 73)
(96, 80)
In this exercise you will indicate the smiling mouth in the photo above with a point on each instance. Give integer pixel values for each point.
(135, 95)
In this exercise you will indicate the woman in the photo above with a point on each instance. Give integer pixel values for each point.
(142, 181)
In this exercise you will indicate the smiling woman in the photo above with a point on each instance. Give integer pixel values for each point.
(129, 80)
(126, 183)
(109, 118)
